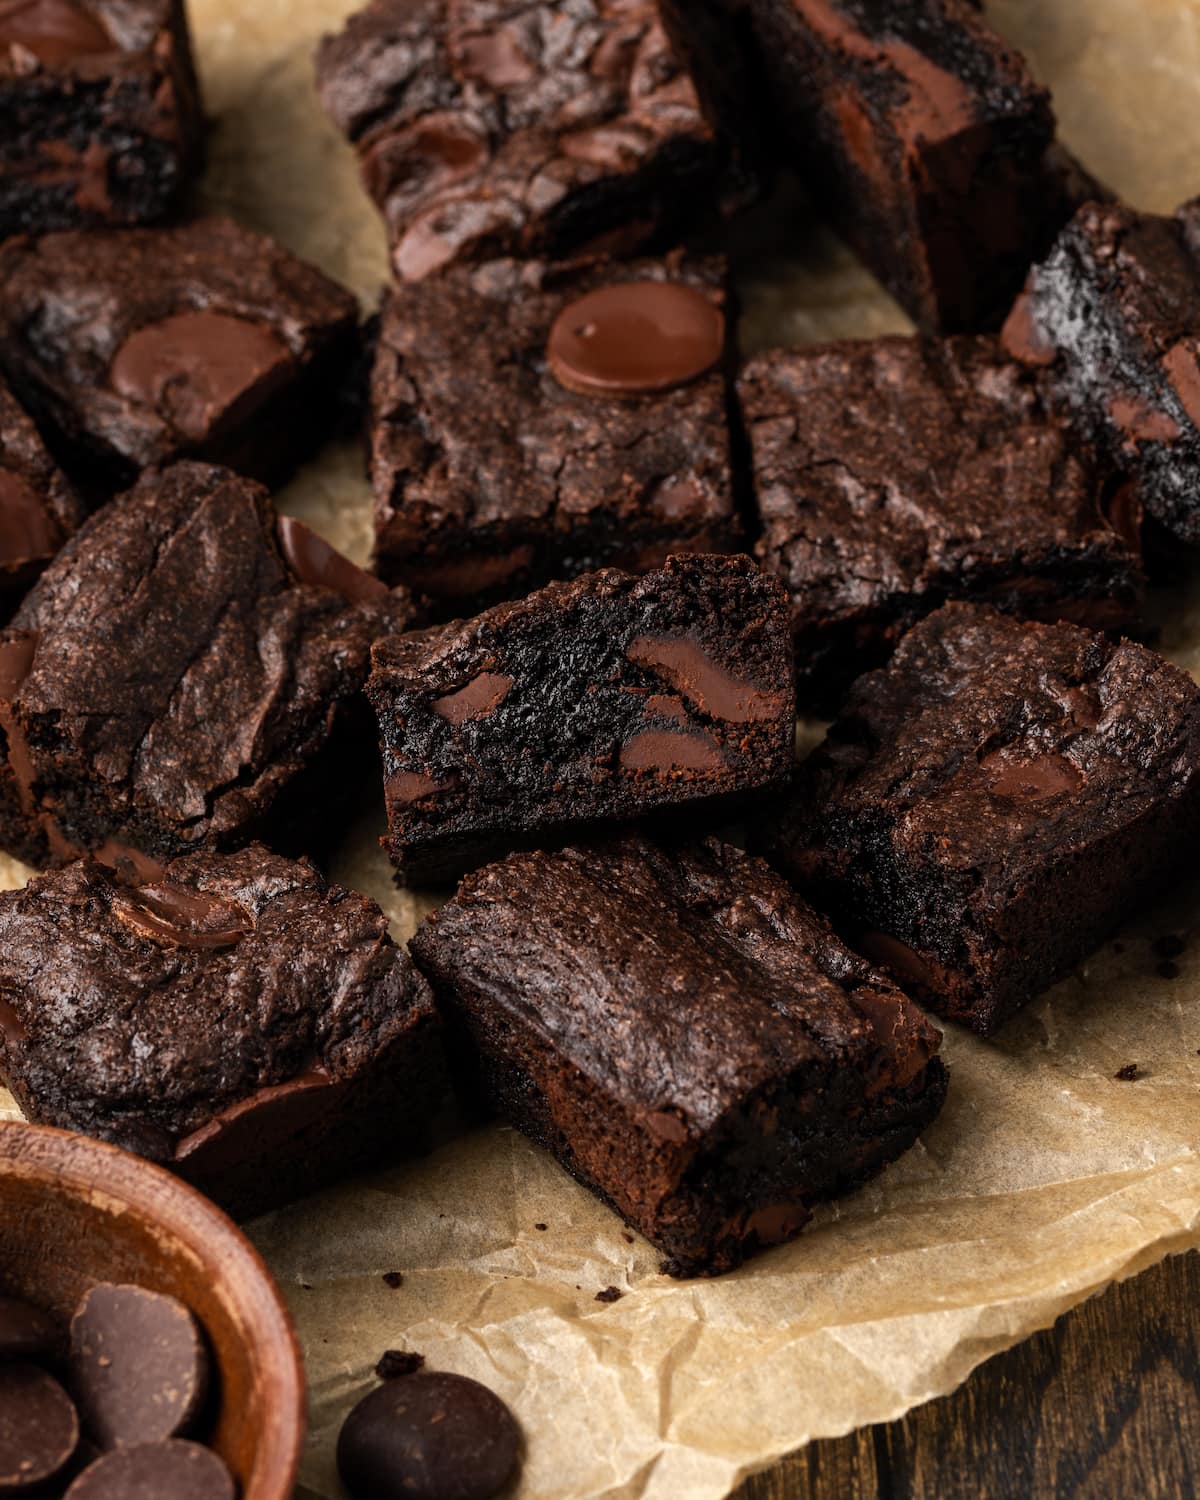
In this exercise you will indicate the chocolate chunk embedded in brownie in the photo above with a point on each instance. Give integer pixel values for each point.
(100, 114)
(688, 1038)
(893, 474)
(139, 346)
(990, 806)
(528, 424)
(920, 132)
(505, 127)
(38, 508)
(187, 672)
(604, 699)
(1113, 317)
(230, 1016)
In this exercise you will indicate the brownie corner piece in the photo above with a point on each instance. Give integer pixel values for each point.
(203, 340)
(101, 120)
(507, 451)
(993, 803)
(602, 700)
(727, 1064)
(38, 507)
(229, 1016)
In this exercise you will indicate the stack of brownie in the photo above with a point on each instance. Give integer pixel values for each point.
(613, 561)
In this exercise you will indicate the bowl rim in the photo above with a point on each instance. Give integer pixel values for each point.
(82, 1166)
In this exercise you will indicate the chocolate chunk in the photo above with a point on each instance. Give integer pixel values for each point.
(139, 1365)
(314, 561)
(156, 1471)
(181, 915)
(635, 338)
(428, 1437)
(39, 1427)
(26, 531)
(26, 1332)
(393, 1279)
(1030, 778)
(481, 696)
(704, 682)
(55, 31)
(398, 1362)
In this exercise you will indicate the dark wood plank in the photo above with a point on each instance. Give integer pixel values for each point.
(1104, 1404)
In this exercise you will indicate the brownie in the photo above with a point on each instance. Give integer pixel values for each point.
(894, 474)
(685, 1035)
(920, 132)
(1113, 316)
(507, 451)
(608, 698)
(228, 1015)
(38, 507)
(187, 672)
(991, 805)
(135, 347)
(491, 128)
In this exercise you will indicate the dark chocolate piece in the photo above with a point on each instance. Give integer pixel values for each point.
(156, 1471)
(894, 474)
(499, 127)
(530, 424)
(430, 1436)
(100, 114)
(232, 1017)
(137, 347)
(171, 683)
(38, 508)
(26, 1332)
(688, 1038)
(994, 803)
(596, 701)
(39, 1428)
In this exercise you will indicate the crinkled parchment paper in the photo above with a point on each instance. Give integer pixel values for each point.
(1044, 1179)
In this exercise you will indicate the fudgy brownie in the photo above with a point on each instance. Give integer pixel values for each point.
(510, 127)
(688, 1038)
(186, 672)
(230, 1016)
(138, 346)
(922, 134)
(528, 424)
(38, 508)
(100, 115)
(994, 802)
(893, 474)
(604, 699)
(1113, 315)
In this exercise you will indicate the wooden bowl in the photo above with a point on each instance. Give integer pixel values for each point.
(74, 1211)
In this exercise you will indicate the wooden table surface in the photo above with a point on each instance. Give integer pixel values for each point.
(1104, 1405)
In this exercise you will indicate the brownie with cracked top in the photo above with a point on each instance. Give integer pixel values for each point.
(921, 133)
(1112, 316)
(230, 1016)
(186, 673)
(545, 128)
(894, 474)
(991, 805)
(136, 347)
(608, 698)
(100, 114)
(530, 424)
(38, 507)
(687, 1036)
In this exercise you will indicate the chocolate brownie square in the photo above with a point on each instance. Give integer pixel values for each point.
(100, 114)
(1113, 316)
(136, 347)
(187, 672)
(920, 132)
(230, 1016)
(38, 508)
(686, 1036)
(508, 450)
(608, 698)
(894, 474)
(490, 128)
(991, 805)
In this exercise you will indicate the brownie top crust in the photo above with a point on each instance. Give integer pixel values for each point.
(159, 996)
(679, 982)
(86, 37)
(38, 508)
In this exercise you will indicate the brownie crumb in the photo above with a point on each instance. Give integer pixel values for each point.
(393, 1279)
(1168, 969)
(610, 1294)
(627, 1237)
(397, 1362)
(542, 1227)
(306, 1286)
(1170, 945)
(1129, 1073)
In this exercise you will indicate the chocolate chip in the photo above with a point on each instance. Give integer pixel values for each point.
(610, 1294)
(394, 1279)
(39, 1427)
(55, 31)
(314, 561)
(138, 1363)
(27, 1333)
(1129, 1073)
(542, 1227)
(154, 1471)
(397, 1362)
(428, 1437)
